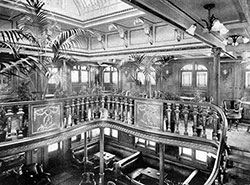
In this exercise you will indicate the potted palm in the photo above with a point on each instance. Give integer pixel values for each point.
(151, 67)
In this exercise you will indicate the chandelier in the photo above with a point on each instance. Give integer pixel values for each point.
(211, 24)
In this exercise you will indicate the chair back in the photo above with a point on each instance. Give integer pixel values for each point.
(232, 104)
(88, 179)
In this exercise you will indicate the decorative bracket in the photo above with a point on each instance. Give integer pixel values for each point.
(123, 32)
(100, 37)
(147, 26)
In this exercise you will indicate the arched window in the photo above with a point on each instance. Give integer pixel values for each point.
(194, 76)
(247, 77)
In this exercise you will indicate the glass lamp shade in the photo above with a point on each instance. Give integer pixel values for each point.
(223, 30)
(218, 26)
(245, 40)
(192, 29)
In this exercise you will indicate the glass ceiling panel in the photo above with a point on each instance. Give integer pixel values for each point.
(85, 9)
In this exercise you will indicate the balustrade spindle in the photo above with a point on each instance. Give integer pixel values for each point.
(97, 102)
(204, 120)
(68, 115)
(73, 115)
(185, 113)
(77, 110)
(96, 111)
(92, 107)
(130, 115)
(10, 130)
(177, 118)
(109, 107)
(117, 108)
(168, 117)
(103, 102)
(87, 110)
(113, 108)
(82, 110)
(195, 113)
(121, 109)
(20, 114)
(215, 125)
(125, 110)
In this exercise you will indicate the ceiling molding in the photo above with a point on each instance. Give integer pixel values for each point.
(175, 16)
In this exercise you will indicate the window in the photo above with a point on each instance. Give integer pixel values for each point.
(111, 132)
(54, 79)
(151, 145)
(195, 155)
(140, 141)
(75, 75)
(95, 132)
(187, 151)
(80, 74)
(201, 155)
(84, 74)
(247, 77)
(53, 147)
(145, 143)
(110, 75)
(194, 76)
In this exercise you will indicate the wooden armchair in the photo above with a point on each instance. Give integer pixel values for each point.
(233, 111)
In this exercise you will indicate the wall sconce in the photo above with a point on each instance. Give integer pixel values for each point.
(235, 40)
(212, 24)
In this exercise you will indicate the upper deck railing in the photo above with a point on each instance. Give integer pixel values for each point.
(199, 126)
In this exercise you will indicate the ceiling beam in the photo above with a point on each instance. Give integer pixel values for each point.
(178, 18)
(245, 5)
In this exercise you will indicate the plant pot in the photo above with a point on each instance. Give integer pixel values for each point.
(2, 135)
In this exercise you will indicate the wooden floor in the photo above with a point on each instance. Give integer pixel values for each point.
(239, 137)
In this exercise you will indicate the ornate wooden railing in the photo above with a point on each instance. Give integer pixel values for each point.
(199, 126)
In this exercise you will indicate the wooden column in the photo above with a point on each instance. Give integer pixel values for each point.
(85, 147)
(161, 163)
(216, 76)
(101, 174)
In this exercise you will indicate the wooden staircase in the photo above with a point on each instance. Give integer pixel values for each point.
(239, 165)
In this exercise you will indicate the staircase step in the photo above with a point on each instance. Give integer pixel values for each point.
(239, 159)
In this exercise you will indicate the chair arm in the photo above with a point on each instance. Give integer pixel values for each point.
(119, 164)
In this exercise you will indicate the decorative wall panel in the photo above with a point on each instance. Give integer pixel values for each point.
(164, 33)
(95, 44)
(114, 40)
(138, 37)
(45, 117)
(149, 114)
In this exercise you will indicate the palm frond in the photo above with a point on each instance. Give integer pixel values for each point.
(10, 46)
(68, 39)
(23, 65)
(160, 65)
